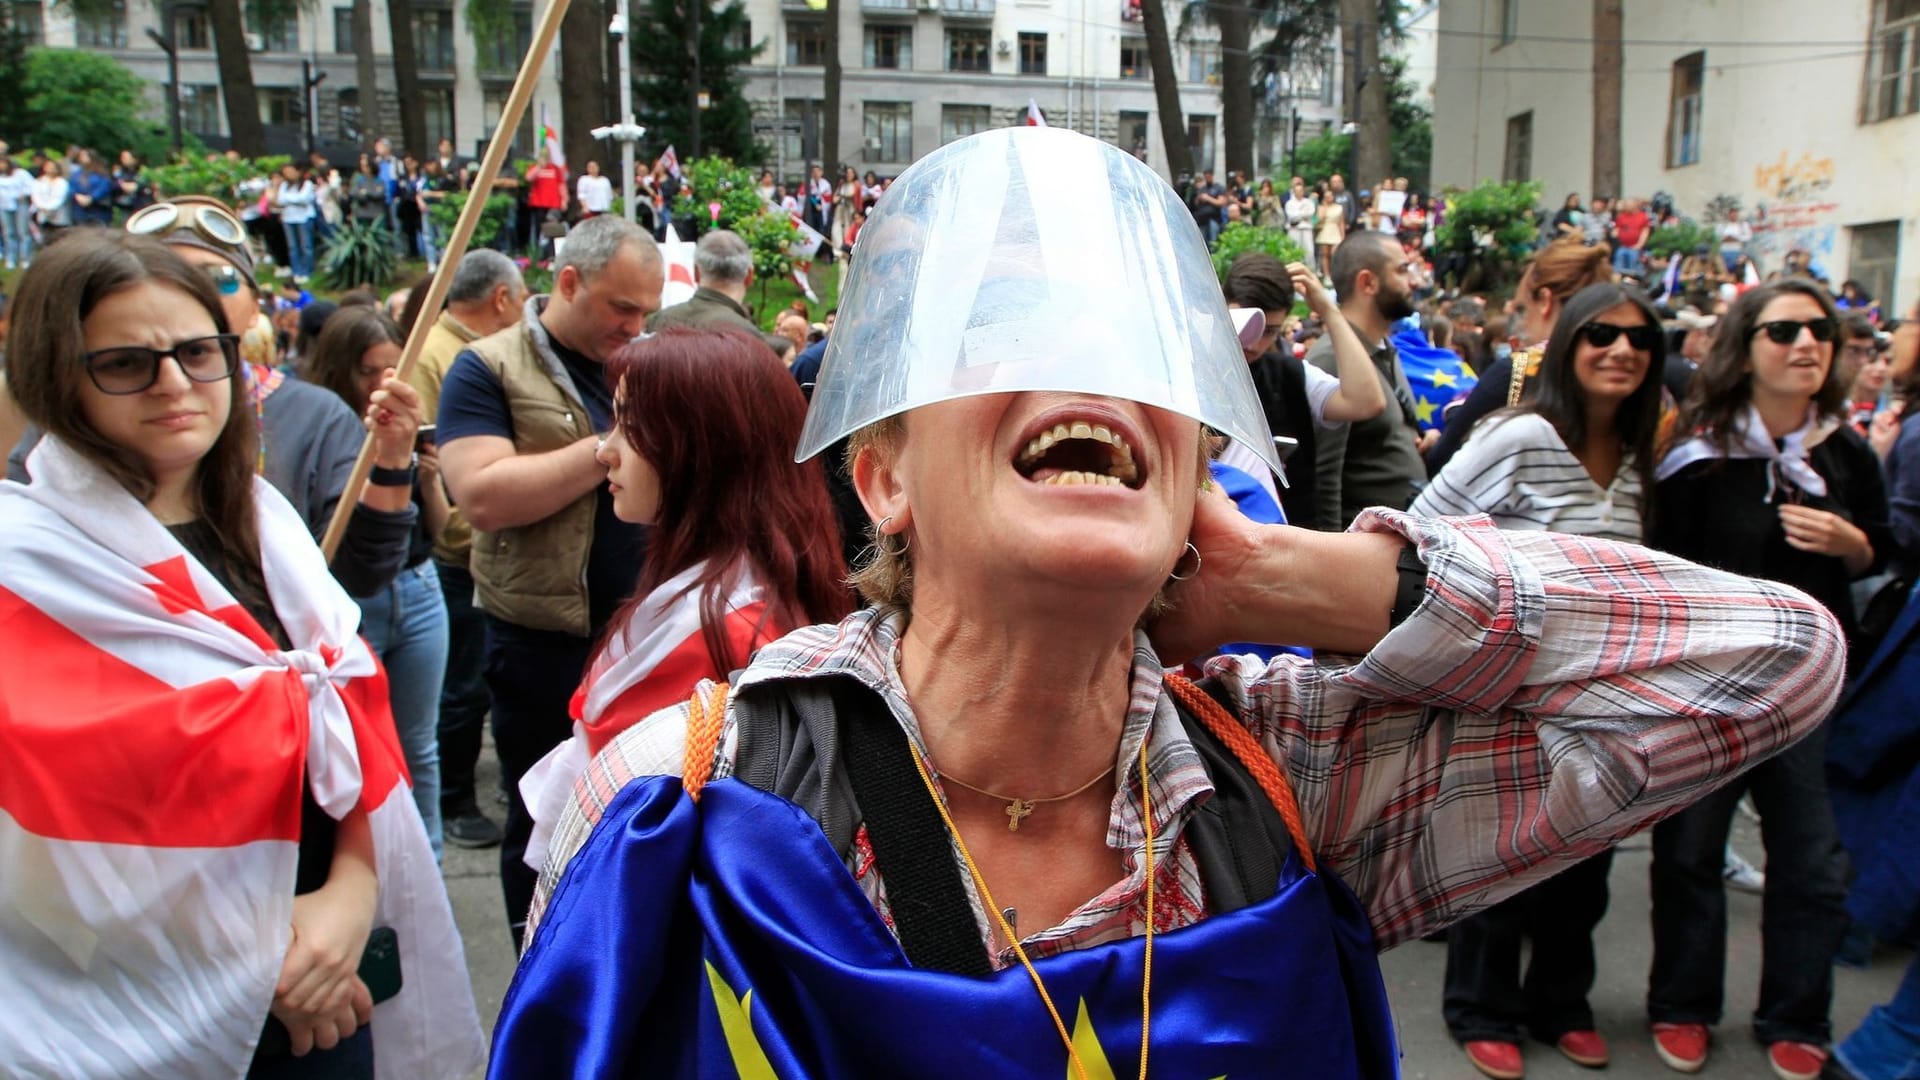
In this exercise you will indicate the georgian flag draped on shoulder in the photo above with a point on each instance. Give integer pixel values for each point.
(155, 740)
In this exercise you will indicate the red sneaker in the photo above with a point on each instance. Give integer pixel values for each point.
(1500, 1060)
(1682, 1046)
(1584, 1048)
(1796, 1060)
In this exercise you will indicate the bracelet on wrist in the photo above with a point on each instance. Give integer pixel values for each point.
(382, 476)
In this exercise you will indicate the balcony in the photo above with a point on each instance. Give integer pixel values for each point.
(967, 10)
(890, 7)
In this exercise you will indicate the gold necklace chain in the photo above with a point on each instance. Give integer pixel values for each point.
(1018, 808)
(986, 896)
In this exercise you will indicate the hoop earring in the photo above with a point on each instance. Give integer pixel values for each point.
(880, 538)
(1196, 563)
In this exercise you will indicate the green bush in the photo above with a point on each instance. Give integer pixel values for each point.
(82, 98)
(215, 176)
(707, 180)
(1679, 238)
(360, 253)
(1240, 237)
(1492, 225)
(445, 214)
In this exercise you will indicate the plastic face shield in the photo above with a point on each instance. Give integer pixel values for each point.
(1026, 259)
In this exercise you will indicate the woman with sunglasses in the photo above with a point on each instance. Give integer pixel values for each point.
(1576, 457)
(216, 820)
(406, 621)
(1766, 480)
(308, 439)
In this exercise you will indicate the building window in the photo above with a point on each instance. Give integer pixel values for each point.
(343, 30)
(960, 121)
(1033, 54)
(433, 39)
(190, 28)
(492, 104)
(889, 130)
(806, 42)
(502, 54)
(348, 101)
(280, 34)
(438, 110)
(889, 45)
(1203, 63)
(1893, 60)
(1875, 258)
(1133, 59)
(1132, 134)
(29, 22)
(1683, 111)
(1509, 22)
(200, 109)
(804, 147)
(1519, 164)
(742, 39)
(107, 30)
(967, 50)
(279, 106)
(1200, 141)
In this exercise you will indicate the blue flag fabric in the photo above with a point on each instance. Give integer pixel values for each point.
(727, 940)
(1436, 376)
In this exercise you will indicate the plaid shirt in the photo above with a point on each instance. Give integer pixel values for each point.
(1550, 696)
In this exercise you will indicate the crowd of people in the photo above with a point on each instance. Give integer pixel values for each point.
(1617, 585)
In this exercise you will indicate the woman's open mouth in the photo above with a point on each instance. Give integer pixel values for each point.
(1079, 452)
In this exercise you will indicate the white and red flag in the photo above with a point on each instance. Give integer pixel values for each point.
(156, 739)
(670, 161)
(1034, 116)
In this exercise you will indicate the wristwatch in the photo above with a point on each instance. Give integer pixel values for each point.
(1412, 587)
(385, 477)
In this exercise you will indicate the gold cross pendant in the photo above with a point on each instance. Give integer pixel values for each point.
(1017, 809)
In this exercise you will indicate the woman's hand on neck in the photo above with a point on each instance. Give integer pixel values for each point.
(1014, 702)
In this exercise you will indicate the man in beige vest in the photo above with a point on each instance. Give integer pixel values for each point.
(520, 413)
(723, 268)
(485, 298)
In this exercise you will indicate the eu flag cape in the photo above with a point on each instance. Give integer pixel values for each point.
(1436, 376)
(726, 939)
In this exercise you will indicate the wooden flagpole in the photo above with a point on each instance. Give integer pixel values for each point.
(510, 114)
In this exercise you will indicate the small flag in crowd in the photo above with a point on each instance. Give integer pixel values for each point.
(1035, 118)
(550, 138)
(670, 161)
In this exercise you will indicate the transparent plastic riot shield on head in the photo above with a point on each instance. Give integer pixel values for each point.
(1032, 259)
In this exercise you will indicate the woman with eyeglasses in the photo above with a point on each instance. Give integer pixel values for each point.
(405, 621)
(1576, 457)
(215, 866)
(1767, 480)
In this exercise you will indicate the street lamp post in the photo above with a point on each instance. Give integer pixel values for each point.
(309, 81)
(626, 132)
(165, 42)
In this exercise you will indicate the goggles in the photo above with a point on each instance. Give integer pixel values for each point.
(213, 223)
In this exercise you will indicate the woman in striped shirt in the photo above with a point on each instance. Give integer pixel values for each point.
(1573, 459)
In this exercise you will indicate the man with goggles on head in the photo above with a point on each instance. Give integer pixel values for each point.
(309, 438)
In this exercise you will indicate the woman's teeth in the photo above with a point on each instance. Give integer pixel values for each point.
(1120, 470)
(1071, 478)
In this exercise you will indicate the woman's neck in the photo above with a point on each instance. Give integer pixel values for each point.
(172, 501)
(1013, 704)
(1782, 416)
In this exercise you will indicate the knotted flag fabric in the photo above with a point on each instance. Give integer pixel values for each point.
(726, 939)
(1436, 376)
(156, 738)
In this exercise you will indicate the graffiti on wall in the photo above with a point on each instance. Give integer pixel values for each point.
(1793, 210)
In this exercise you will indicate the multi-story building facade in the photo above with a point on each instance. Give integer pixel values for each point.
(463, 84)
(1804, 114)
(920, 73)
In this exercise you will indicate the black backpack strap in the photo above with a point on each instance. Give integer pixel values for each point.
(1239, 839)
(931, 912)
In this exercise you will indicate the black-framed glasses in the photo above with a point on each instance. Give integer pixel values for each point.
(1602, 335)
(1787, 331)
(132, 369)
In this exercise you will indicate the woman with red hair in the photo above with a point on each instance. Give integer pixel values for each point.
(744, 545)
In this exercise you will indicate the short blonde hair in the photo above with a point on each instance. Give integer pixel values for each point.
(883, 573)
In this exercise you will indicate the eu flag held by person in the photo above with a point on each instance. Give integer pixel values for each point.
(1437, 376)
(725, 938)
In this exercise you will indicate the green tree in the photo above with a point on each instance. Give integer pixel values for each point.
(73, 96)
(664, 93)
(1320, 157)
(1239, 238)
(13, 71)
(1412, 141)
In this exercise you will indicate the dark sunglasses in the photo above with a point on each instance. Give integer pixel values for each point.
(1602, 335)
(132, 369)
(1787, 331)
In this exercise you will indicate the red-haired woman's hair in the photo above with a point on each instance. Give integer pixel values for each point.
(717, 417)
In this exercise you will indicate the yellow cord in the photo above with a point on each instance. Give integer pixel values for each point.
(1000, 918)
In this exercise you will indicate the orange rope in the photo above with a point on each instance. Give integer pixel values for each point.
(1241, 741)
(704, 724)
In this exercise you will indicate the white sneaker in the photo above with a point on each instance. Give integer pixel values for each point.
(1741, 874)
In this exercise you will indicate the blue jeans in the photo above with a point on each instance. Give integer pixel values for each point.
(16, 235)
(406, 623)
(299, 247)
(428, 248)
(1626, 260)
(464, 698)
(1887, 1044)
